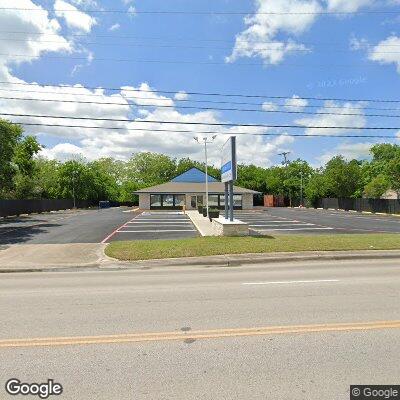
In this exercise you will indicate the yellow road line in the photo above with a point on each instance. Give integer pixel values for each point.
(200, 334)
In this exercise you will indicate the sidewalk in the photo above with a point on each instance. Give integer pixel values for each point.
(40, 257)
(203, 224)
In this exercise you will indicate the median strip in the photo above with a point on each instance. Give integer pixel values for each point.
(198, 335)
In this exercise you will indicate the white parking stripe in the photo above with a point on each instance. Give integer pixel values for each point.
(295, 229)
(160, 223)
(160, 231)
(280, 225)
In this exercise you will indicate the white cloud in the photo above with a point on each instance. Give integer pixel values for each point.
(385, 52)
(28, 21)
(349, 151)
(263, 28)
(335, 119)
(347, 5)
(296, 103)
(62, 152)
(269, 106)
(181, 95)
(114, 27)
(74, 18)
(94, 143)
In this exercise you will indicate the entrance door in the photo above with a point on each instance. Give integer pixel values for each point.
(196, 201)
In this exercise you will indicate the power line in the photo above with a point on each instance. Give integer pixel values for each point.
(177, 100)
(131, 60)
(179, 12)
(163, 38)
(203, 123)
(207, 93)
(158, 45)
(206, 132)
(202, 108)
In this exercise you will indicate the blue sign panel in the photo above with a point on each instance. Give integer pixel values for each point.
(228, 164)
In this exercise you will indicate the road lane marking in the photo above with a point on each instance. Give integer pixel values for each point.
(290, 282)
(200, 334)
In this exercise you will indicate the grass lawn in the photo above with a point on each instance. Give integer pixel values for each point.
(206, 246)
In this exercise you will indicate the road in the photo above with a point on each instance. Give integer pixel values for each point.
(173, 333)
(313, 221)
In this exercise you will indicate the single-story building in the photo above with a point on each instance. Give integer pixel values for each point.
(189, 189)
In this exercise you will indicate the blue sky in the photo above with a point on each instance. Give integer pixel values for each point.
(351, 56)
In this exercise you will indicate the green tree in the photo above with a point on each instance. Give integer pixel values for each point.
(147, 169)
(343, 178)
(377, 187)
(10, 135)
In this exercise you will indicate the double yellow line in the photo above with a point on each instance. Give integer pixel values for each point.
(198, 335)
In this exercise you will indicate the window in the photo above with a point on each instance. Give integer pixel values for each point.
(168, 200)
(222, 200)
(179, 200)
(237, 200)
(193, 202)
(213, 200)
(155, 200)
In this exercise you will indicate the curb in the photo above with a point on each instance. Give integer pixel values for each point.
(233, 260)
(252, 259)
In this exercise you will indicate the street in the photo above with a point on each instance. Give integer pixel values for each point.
(191, 333)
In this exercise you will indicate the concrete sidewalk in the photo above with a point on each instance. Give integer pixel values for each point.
(203, 224)
(36, 257)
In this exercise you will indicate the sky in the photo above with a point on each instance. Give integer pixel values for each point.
(76, 51)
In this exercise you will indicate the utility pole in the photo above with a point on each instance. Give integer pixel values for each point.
(73, 186)
(301, 188)
(285, 162)
(206, 142)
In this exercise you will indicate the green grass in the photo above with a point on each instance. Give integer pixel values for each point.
(207, 246)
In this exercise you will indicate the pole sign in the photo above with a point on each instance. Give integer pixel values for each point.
(228, 164)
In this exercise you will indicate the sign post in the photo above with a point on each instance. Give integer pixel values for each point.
(229, 173)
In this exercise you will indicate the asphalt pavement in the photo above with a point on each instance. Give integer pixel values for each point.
(298, 331)
(69, 226)
(151, 225)
(315, 221)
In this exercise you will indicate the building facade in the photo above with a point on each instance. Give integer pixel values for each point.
(188, 189)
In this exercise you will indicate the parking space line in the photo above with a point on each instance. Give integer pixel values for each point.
(116, 231)
(160, 231)
(295, 229)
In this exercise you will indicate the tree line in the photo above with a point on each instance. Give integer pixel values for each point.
(26, 175)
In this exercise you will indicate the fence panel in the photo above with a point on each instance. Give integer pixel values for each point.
(370, 205)
(18, 207)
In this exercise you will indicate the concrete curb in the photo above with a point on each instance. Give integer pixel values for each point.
(232, 260)
(264, 258)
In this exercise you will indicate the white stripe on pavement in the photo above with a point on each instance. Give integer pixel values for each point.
(289, 282)
(294, 229)
(166, 230)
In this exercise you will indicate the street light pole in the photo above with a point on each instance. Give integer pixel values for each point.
(73, 187)
(206, 141)
(301, 189)
(285, 162)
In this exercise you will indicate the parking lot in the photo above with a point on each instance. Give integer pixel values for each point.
(310, 221)
(155, 225)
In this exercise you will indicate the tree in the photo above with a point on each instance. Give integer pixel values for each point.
(343, 178)
(10, 135)
(147, 169)
(377, 187)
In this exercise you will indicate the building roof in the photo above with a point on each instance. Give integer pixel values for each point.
(193, 175)
(192, 187)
